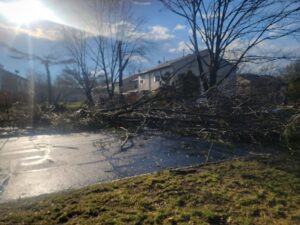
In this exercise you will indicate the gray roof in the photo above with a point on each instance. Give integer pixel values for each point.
(171, 62)
(132, 77)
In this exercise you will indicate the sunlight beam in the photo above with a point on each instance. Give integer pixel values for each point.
(23, 12)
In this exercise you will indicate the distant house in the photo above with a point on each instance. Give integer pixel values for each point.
(13, 87)
(263, 88)
(153, 78)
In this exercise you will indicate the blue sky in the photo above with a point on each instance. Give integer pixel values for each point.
(167, 31)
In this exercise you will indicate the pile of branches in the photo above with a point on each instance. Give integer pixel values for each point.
(21, 115)
(214, 117)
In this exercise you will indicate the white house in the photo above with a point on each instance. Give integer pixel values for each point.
(151, 79)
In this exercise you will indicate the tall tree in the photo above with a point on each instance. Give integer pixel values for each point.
(85, 68)
(233, 26)
(118, 38)
(107, 48)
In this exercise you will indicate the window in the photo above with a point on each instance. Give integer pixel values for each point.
(156, 76)
(141, 81)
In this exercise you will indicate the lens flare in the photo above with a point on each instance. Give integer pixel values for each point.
(26, 11)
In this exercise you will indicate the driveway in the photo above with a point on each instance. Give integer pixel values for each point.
(40, 164)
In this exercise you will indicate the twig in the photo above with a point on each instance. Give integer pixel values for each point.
(127, 133)
(126, 137)
(208, 154)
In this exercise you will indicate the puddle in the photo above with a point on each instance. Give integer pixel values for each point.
(4, 179)
(48, 163)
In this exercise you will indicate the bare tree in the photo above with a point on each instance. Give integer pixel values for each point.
(118, 39)
(85, 68)
(107, 48)
(227, 27)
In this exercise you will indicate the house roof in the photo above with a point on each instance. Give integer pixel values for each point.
(173, 61)
(168, 64)
(131, 78)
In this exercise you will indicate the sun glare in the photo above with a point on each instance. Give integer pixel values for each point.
(25, 11)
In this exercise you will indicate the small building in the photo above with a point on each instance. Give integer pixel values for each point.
(13, 88)
(260, 88)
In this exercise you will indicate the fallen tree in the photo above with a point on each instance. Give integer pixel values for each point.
(220, 118)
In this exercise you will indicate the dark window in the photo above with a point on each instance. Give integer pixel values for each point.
(157, 76)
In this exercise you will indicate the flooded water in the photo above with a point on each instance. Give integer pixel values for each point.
(40, 164)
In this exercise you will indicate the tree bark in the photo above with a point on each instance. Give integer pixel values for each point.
(90, 98)
(196, 48)
(121, 97)
(49, 84)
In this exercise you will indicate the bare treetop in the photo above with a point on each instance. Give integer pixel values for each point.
(234, 27)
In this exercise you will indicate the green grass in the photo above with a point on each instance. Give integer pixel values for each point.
(241, 192)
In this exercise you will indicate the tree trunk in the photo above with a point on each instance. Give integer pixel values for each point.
(89, 97)
(112, 91)
(196, 48)
(49, 83)
(202, 75)
(121, 97)
(213, 77)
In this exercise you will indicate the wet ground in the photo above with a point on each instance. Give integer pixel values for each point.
(39, 164)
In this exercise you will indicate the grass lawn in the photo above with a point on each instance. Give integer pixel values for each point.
(252, 191)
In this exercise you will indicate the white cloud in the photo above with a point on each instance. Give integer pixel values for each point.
(159, 33)
(130, 31)
(141, 2)
(181, 47)
(179, 27)
(53, 31)
(269, 55)
(52, 35)
(41, 30)
(139, 59)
